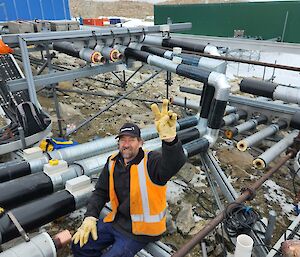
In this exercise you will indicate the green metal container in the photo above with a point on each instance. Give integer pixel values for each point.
(262, 20)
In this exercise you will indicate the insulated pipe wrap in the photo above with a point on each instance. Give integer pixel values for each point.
(295, 122)
(24, 189)
(190, 59)
(197, 146)
(206, 100)
(216, 114)
(188, 135)
(162, 63)
(187, 122)
(137, 55)
(71, 154)
(258, 87)
(287, 94)
(185, 103)
(67, 48)
(222, 88)
(261, 119)
(186, 45)
(152, 40)
(37, 213)
(93, 165)
(195, 73)
(87, 54)
(229, 119)
(265, 158)
(259, 136)
(37, 164)
(154, 50)
(38, 246)
(13, 169)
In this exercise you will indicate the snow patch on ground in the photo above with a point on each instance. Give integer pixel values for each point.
(197, 180)
(174, 191)
(276, 195)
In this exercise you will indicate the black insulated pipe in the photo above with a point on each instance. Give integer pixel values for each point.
(187, 122)
(195, 73)
(24, 189)
(154, 50)
(199, 145)
(242, 114)
(216, 114)
(37, 213)
(67, 48)
(261, 119)
(295, 121)
(282, 124)
(206, 101)
(188, 135)
(13, 169)
(184, 44)
(136, 54)
(258, 87)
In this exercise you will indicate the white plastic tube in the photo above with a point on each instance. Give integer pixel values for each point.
(244, 245)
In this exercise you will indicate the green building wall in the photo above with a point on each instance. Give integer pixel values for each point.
(264, 20)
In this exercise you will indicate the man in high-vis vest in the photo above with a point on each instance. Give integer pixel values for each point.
(134, 182)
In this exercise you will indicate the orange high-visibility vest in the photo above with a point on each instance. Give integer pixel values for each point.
(148, 201)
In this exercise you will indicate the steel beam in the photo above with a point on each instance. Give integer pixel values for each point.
(29, 82)
(48, 79)
(104, 33)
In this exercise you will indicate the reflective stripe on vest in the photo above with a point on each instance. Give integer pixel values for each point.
(146, 217)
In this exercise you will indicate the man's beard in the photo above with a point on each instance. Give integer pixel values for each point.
(129, 154)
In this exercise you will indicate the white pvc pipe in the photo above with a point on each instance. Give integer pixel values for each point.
(244, 245)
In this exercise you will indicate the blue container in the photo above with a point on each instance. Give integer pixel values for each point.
(11, 10)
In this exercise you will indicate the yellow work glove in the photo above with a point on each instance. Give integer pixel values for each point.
(88, 226)
(165, 121)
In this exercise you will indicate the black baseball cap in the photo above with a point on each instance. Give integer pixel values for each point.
(129, 129)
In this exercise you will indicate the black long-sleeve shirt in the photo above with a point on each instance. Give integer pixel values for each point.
(161, 167)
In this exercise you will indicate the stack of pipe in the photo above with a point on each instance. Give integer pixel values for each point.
(109, 53)
(55, 176)
(41, 211)
(178, 57)
(265, 158)
(261, 135)
(15, 169)
(248, 125)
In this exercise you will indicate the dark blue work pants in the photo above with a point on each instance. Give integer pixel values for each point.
(120, 245)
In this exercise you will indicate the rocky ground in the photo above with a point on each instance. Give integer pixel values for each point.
(191, 201)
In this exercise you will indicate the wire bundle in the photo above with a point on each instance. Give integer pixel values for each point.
(240, 220)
